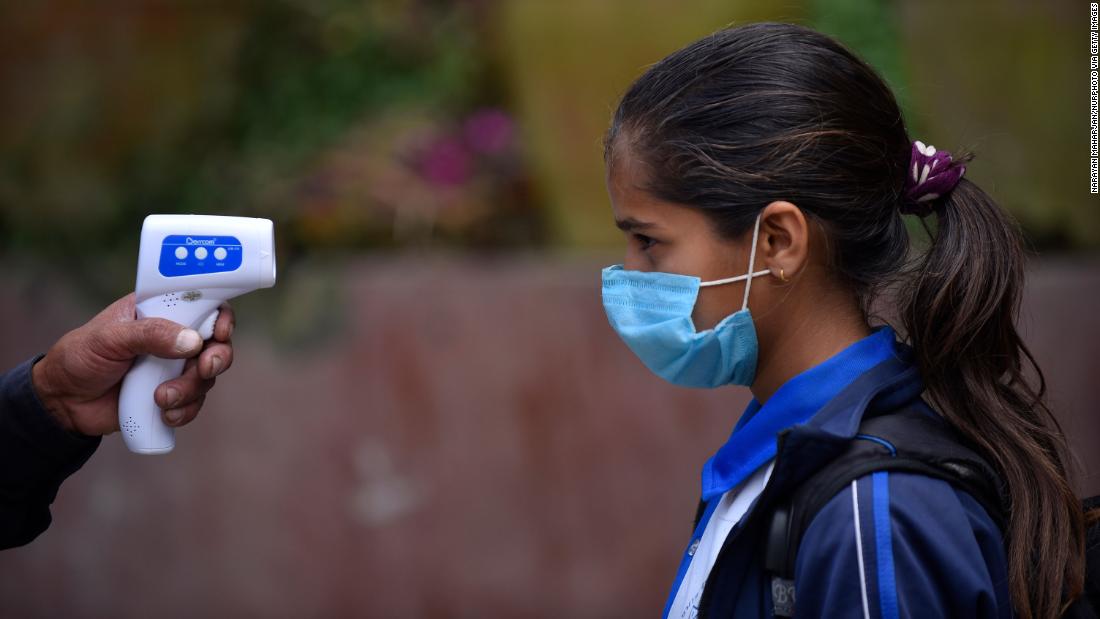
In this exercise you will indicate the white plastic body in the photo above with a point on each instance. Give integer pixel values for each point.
(191, 300)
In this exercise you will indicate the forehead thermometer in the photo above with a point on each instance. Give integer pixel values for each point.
(187, 265)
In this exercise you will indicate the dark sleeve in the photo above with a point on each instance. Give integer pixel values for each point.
(895, 545)
(36, 455)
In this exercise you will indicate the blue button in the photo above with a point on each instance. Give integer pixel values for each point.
(227, 251)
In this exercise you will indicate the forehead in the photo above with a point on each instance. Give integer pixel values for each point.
(626, 179)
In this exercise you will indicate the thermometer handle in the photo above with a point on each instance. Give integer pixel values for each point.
(139, 417)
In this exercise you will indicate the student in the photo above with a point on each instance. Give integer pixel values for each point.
(763, 177)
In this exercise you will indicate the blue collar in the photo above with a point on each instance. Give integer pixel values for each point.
(753, 441)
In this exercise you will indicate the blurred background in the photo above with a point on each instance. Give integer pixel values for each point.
(428, 416)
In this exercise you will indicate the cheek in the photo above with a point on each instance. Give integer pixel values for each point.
(714, 304)
(705, 314)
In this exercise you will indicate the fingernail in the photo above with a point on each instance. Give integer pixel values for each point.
(174, 415)
(229, 331)
(172, 395)
(216, 365)
(188, 340)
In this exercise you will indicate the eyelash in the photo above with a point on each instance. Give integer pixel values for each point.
(645, 241)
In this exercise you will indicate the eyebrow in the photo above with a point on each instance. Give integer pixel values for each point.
(629, 224)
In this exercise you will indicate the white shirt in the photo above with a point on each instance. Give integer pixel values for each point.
(730, 510)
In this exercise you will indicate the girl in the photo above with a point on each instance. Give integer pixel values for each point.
(766, 171)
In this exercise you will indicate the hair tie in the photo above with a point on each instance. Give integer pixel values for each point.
(932, 174)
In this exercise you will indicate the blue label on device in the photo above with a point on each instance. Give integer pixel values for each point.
(197, 254)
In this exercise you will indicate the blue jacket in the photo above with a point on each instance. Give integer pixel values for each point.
(890, 545)
(36, 455)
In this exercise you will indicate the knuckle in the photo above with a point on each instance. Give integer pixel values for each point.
(152, 333)
(110, 341)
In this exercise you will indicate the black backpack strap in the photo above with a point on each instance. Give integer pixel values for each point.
(912, 440)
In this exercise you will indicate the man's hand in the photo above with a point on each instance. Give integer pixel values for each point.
(79, 378)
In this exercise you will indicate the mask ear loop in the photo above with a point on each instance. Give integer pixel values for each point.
(752, 260)
(748, 276)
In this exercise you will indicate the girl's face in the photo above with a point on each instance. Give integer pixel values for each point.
(667, 237)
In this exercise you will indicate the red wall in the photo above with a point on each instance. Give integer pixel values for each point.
(472, 440)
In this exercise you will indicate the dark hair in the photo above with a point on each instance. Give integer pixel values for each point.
(771, 111)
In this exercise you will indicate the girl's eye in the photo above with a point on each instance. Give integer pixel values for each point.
(645, 241)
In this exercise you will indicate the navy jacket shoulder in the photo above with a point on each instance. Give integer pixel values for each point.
(36, 455)
(898, 544)
(890, 544)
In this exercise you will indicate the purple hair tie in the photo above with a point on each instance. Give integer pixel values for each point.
(931, 175)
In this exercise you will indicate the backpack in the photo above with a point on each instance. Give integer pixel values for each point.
(913, 440)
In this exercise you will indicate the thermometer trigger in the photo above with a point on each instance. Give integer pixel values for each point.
(206, 329)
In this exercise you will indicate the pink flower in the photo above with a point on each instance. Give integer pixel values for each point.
(489, 131)
(446, 162)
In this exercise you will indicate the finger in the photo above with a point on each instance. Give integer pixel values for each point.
(215, 359)
(183, 415)
(182, 390)
(148, 336)
(227, 320)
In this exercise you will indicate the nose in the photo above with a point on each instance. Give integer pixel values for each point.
(635, 261)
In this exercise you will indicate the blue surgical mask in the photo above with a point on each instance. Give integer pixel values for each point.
(651, 312)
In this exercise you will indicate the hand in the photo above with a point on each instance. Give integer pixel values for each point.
(79, 378)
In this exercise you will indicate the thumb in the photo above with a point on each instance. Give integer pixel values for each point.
(149, 336)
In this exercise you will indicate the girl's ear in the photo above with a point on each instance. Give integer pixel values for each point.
(784, 243)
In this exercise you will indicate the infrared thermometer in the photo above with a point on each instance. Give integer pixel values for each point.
(187, 265)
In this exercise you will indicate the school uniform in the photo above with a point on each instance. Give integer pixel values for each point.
(889, 545)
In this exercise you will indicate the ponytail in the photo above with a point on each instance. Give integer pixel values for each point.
(959, 311)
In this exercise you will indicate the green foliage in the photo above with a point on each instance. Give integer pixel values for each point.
(346, 122)
(233, 110)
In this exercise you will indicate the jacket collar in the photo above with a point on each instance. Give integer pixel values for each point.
(829, 398)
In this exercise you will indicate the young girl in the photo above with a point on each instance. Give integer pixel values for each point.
(763, 176)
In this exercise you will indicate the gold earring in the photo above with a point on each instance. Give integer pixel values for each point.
(782, 276)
